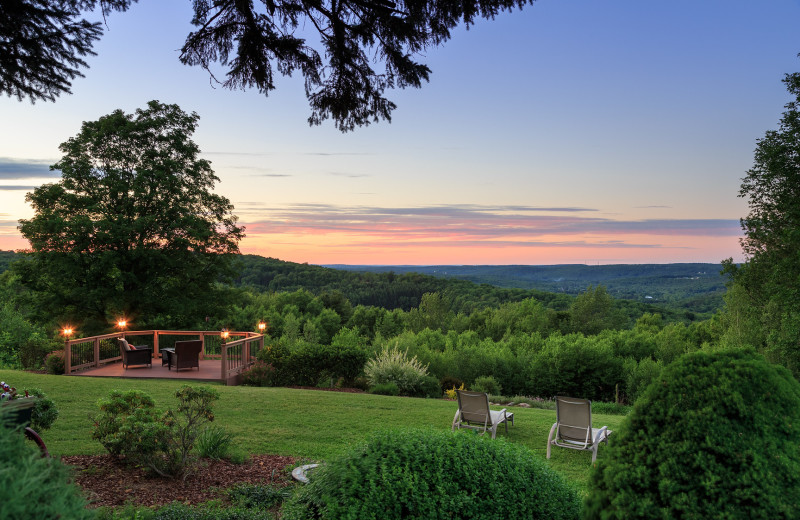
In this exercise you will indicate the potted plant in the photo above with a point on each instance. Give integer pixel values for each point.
(30, 408)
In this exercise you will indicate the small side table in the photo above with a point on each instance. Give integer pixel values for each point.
(166, 357)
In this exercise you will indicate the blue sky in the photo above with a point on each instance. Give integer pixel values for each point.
(568, 132)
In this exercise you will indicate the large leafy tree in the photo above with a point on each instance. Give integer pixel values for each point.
(348, 51)
(132, 227)
(43, 43)
(770, 278)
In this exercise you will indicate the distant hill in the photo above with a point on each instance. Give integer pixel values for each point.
(694, 287)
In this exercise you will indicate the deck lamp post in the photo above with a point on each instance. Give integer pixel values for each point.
(224, 335)
(262, 326)
(67, 332)
(122, 323)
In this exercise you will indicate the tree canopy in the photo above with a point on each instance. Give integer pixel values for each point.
(132, 227)
(42, 43)
(771, 276)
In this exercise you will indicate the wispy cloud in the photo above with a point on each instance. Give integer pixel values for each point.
(17, 188)
(349, 175)
(25, 169)
(487, 226)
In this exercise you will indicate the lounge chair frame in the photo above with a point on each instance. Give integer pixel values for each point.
(573, 427)
(474, 413)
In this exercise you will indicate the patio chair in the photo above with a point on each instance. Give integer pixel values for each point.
(185, 355)
(573, 427)
(134, 355)
(474, 413)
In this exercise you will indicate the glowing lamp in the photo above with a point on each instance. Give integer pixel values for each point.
(262, 326)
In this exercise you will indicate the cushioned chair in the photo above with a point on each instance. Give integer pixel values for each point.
(186, 355)
(474, 413)
(134, 355)
(573, 427)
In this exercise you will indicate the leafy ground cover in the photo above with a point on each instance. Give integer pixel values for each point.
(308, 425)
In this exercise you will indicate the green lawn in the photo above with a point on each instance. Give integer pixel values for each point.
(303, 423)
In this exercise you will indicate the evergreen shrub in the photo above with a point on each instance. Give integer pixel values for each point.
(487, 384)
(716, 436)
(260, 374)
(384, 389)
(434, 474)
(305, 364)
(54, 363)
(32, 486)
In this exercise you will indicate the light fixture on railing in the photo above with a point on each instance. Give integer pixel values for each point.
(121, 324)
(67, 332)
(224, 335)
(262, 326)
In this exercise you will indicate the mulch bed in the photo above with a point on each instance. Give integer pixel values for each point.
(107, 481)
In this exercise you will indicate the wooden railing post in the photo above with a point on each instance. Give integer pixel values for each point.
(224, 351)
(67, 357)
(97, 352)
(155, 343)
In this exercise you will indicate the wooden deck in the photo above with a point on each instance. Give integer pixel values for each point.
(210, 370)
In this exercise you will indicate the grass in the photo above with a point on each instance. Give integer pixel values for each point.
(303, 423)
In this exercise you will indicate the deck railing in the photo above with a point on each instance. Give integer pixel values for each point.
(237, 353)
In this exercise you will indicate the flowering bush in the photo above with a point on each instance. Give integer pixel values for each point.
(393, 366)
(44, 409)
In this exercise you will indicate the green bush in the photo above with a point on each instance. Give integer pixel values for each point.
(639, 375)
(384, 389)
(130, 425)
(32, 486)
(487, 384)
(394, 366)
(450, 382)
(44, 412)
(434, 474)
(33, 350)
(252, 496)
(54, 363)
(429, 388)
(715, 436)
(305, 364)
(260, 374)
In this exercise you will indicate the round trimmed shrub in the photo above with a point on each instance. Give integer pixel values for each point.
(434, 474)
(715, 436)
(32, 486)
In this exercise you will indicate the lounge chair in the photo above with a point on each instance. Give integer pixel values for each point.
(573, 427)
(134, 355)
(474, 413)
(185, 355)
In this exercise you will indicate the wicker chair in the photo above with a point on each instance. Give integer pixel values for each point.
(186, 355)
(134, 355)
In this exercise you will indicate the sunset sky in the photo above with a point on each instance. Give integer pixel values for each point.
(573, 131)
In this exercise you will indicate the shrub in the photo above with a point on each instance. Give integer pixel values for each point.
(214, 442)
(451, 394)
(44, 412)
(393, 366)
(487, 384)
(429, 388)
(256, 496)
(32, 486)
(434, 474)
(54, 363)
(450, 382)
(714, 437)
(32, 351)
(384, 389)
(638, 375)
(305, 364)
(260, 374)
(130, 425)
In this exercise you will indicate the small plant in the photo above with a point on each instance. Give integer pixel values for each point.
(260, 374)
(252, 496)
(451, 393)
(214, 443)
(393, 366)
(384, 389)
(450, 382)
(54, 363)
(487, 384)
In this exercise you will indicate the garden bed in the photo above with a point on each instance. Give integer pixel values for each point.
(107, 481)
